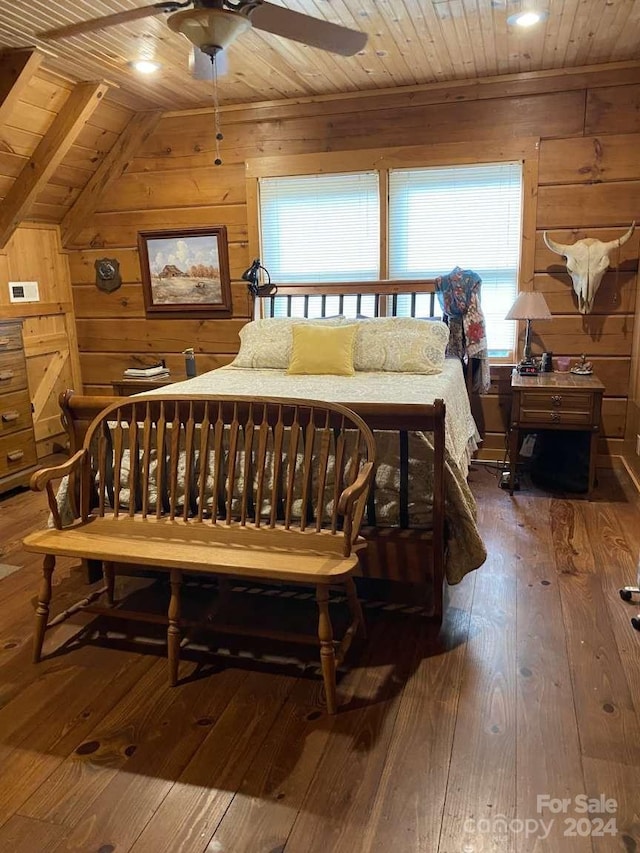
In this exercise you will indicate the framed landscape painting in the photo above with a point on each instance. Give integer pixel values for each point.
(185, 271)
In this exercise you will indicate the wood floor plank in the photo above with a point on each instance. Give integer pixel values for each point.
(485, 734)
(410, 797)
(618, 782)
(25, 835)
(573, 552)
(193, 807)
(337, 806)
(548, 759)
(607, 719)
(69, 716)
(271, 793)
(135, 752)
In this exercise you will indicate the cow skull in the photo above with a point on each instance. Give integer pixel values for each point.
(587, 260)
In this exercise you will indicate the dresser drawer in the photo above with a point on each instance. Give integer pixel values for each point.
(15, 412)
(10, 337)
(13, 372)
(555, 417)
(580, 401)
(17, 451)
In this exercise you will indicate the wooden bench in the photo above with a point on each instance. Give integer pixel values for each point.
(257, 488)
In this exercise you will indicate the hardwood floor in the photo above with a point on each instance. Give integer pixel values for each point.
(445, 743)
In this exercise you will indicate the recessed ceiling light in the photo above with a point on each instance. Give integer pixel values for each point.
(145, 66)
(527, 19)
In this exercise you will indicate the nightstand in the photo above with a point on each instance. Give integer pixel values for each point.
(555, 401)
(126, 386)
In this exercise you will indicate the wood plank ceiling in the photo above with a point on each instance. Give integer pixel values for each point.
(410, 42)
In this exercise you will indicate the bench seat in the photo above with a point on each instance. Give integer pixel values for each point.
(259, 553)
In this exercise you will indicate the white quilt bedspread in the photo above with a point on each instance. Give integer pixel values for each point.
(395, 388)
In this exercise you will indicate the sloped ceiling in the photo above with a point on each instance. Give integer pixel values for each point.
(410, 42)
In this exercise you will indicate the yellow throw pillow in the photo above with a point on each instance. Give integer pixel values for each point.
(323, 350)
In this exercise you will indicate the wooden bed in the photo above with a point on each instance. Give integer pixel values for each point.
(401, 564)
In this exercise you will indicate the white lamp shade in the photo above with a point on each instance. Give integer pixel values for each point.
(529, 306)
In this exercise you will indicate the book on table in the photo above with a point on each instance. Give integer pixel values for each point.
(152, 370)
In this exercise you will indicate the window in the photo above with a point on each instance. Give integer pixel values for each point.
(467, 216)
(326, 227)
(321, 227)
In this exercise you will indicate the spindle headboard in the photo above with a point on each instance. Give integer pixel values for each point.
(415, 298)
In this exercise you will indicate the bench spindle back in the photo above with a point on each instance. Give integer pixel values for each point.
(261, 462)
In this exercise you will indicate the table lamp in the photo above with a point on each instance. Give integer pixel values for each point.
(528, 306)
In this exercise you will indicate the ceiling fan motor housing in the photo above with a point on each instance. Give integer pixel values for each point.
(210, 30)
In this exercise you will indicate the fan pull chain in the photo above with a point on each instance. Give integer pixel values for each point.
(216, 109)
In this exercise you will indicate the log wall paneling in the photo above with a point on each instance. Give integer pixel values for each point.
(593, 158)
(597, 205)
(110, 169)
(613, 110)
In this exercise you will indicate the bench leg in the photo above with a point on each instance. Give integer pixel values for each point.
(173, 631)
(355, 608)
(109, 575)
(327, 651)
(42, 610)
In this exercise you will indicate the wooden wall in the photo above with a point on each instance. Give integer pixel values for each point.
(588, 181)
(34, 254)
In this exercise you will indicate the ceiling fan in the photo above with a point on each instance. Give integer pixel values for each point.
(212, 25)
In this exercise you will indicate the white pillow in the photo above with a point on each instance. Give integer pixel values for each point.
(268, 343)
(400, 345)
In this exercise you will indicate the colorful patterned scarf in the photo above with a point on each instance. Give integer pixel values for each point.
(459, 297)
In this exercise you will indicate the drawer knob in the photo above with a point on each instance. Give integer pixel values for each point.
(6, 375)
(15, 455)
(10, 416)
(556, 399)
(4, 342)
(555, 416)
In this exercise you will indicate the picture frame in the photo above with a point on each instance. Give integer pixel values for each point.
(185, 271)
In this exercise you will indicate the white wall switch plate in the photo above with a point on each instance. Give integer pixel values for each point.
(24, 291)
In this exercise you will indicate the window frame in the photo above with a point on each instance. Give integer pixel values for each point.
(381, 160)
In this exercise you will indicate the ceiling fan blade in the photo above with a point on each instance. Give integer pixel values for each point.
(303, 28)
(202, 67)
(108, 21)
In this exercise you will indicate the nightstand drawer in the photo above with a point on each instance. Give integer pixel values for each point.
(15, 412)
(576, 401)
(13, 373)
(555, 417)
(17, 451)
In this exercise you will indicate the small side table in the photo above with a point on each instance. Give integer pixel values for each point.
(125, 386)
(555, 401)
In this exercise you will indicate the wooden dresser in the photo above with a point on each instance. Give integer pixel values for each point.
(18, 458)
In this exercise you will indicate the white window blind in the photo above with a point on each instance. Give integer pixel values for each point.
(319, 228)
(466, 216)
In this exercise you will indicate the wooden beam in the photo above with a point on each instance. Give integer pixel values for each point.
(17, 67)
(112, 167)
(48, 155)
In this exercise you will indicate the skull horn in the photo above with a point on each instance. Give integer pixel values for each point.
(614, 244)
(559, 248)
